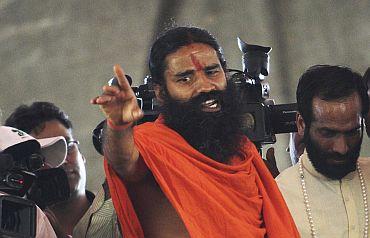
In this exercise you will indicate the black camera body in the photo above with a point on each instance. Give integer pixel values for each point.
(18, 217)
(22, 188)
(262, 118)
(17, 214)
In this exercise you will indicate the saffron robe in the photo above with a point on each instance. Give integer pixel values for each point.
(212, 199)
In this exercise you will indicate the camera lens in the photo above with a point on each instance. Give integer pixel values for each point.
(14, 180)
(35, 162)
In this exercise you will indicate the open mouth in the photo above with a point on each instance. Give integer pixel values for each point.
(211, 105)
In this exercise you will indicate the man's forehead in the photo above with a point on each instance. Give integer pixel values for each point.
(196, 49)
(346, 112)
(346, 105)
(52, 128)
(195, 55)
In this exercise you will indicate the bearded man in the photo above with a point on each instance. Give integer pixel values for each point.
(326, 191)
(191, 173)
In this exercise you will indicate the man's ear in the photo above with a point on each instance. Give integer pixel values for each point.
(82, 156)
(300, 124)
(159, 93)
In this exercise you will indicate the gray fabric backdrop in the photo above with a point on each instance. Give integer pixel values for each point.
(63, 51)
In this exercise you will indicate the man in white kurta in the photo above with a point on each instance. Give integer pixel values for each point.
(327, 190)
(336, 205)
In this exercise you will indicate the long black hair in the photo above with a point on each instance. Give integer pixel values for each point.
(171, 40)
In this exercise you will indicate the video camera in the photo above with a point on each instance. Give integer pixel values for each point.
(42, 188)
(262, 118)
(23, 185)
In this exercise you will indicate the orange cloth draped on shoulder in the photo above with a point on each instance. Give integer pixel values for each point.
(213, 199)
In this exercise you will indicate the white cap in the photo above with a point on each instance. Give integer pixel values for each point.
(54, 149)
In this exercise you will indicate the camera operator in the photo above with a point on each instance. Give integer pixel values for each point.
(44, 119)
(21, 154)
(192, 172)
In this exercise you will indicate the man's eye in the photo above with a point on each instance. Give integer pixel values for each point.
(184, 79)
(212, 72)
(354, 132)
(327, 134)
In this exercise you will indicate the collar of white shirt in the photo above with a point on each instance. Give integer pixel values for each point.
(307, 166)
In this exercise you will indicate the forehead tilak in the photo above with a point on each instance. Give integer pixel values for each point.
(198, 66)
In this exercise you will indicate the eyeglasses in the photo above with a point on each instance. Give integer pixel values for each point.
(72, 145)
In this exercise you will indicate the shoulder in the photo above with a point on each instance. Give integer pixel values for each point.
(289, 185)
(156, 134)
(287, 175)
(43, 226)
(150, 129)
(288, 181)
(144, 126)
(364, 163)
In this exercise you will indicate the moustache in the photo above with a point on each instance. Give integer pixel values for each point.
(202, 97)
(197, 101)
(337, 156)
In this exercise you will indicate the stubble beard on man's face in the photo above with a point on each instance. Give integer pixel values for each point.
(214, 134)
(319, 158)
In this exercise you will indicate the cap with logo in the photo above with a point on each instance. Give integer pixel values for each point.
(19, 143)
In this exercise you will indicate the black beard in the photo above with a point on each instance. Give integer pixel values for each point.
(214, 134)
(319, 158)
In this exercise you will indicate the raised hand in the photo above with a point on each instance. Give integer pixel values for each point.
(119, 104)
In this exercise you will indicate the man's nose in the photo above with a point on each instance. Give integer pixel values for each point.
(205, 84)
(341, 145)
(67, 159)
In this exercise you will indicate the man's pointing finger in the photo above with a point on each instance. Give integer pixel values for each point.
(122, 80)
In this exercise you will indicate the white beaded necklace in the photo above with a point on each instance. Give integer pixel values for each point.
(308, 207)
